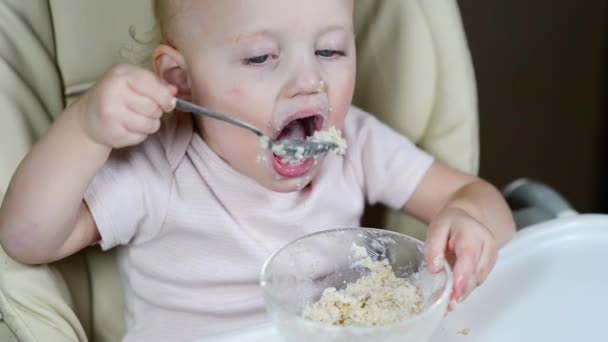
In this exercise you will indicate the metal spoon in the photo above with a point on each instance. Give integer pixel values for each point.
(289, 148)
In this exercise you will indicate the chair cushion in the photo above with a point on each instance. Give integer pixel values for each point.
(36, 303)
(91, 36)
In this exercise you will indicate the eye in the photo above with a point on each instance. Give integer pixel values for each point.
(329, 53)
(257, 60)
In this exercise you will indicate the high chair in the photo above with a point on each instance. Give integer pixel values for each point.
(414, 73)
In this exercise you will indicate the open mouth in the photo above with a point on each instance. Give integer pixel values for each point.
(298, 128)
(301, 128)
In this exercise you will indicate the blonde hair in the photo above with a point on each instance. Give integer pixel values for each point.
(141, 50)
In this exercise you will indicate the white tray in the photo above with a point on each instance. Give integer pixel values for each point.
(550, 284)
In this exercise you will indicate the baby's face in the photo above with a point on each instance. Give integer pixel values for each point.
(285, 66)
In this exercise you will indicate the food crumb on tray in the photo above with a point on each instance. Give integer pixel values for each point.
(464, 332)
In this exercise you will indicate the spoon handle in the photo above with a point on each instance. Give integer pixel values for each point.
(189, 107)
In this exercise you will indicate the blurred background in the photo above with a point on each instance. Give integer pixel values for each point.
(541, 76)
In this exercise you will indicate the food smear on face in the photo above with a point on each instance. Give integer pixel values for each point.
(378, 298)
(264, 142)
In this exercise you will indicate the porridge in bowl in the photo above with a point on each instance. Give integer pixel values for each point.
(354, 285)
(377, 298)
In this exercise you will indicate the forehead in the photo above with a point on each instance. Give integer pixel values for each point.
(225, 17)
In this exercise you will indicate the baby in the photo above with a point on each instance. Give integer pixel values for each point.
(193, 207)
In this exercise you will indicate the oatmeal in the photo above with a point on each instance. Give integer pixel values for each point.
(376, 299)
(332, 135)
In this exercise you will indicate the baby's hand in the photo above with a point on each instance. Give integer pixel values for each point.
(455, 233)
(125, 106)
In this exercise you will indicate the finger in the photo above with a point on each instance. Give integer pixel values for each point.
(136, 138)
(144, 106)
(452, 305)
(487, 260)
(147, 84)
(436, 244)
(172, 88)
(463, 271)
(470, 285)
(140, 124)
(128, 138)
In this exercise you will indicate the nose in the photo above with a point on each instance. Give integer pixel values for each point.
(305, 79)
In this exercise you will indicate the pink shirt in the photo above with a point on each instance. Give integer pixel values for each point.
(196, 232)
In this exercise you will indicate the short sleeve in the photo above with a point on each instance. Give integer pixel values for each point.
(388, 166)
(128, 196)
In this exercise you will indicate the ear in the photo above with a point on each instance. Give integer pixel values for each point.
(170, 66)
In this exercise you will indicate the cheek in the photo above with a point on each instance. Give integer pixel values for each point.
(348, 88)
(222, 90)
(248, 103)
(235, 145)
(242, 101)
(340, 100)
(236, 92)
(342, 84)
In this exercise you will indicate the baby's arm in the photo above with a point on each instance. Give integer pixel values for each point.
(43, 217)
(443, 187)
(468, 218)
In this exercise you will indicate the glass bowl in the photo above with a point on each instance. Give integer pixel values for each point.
(296, 275)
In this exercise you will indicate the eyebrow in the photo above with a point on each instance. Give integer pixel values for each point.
(245, 36)
(336, 28)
